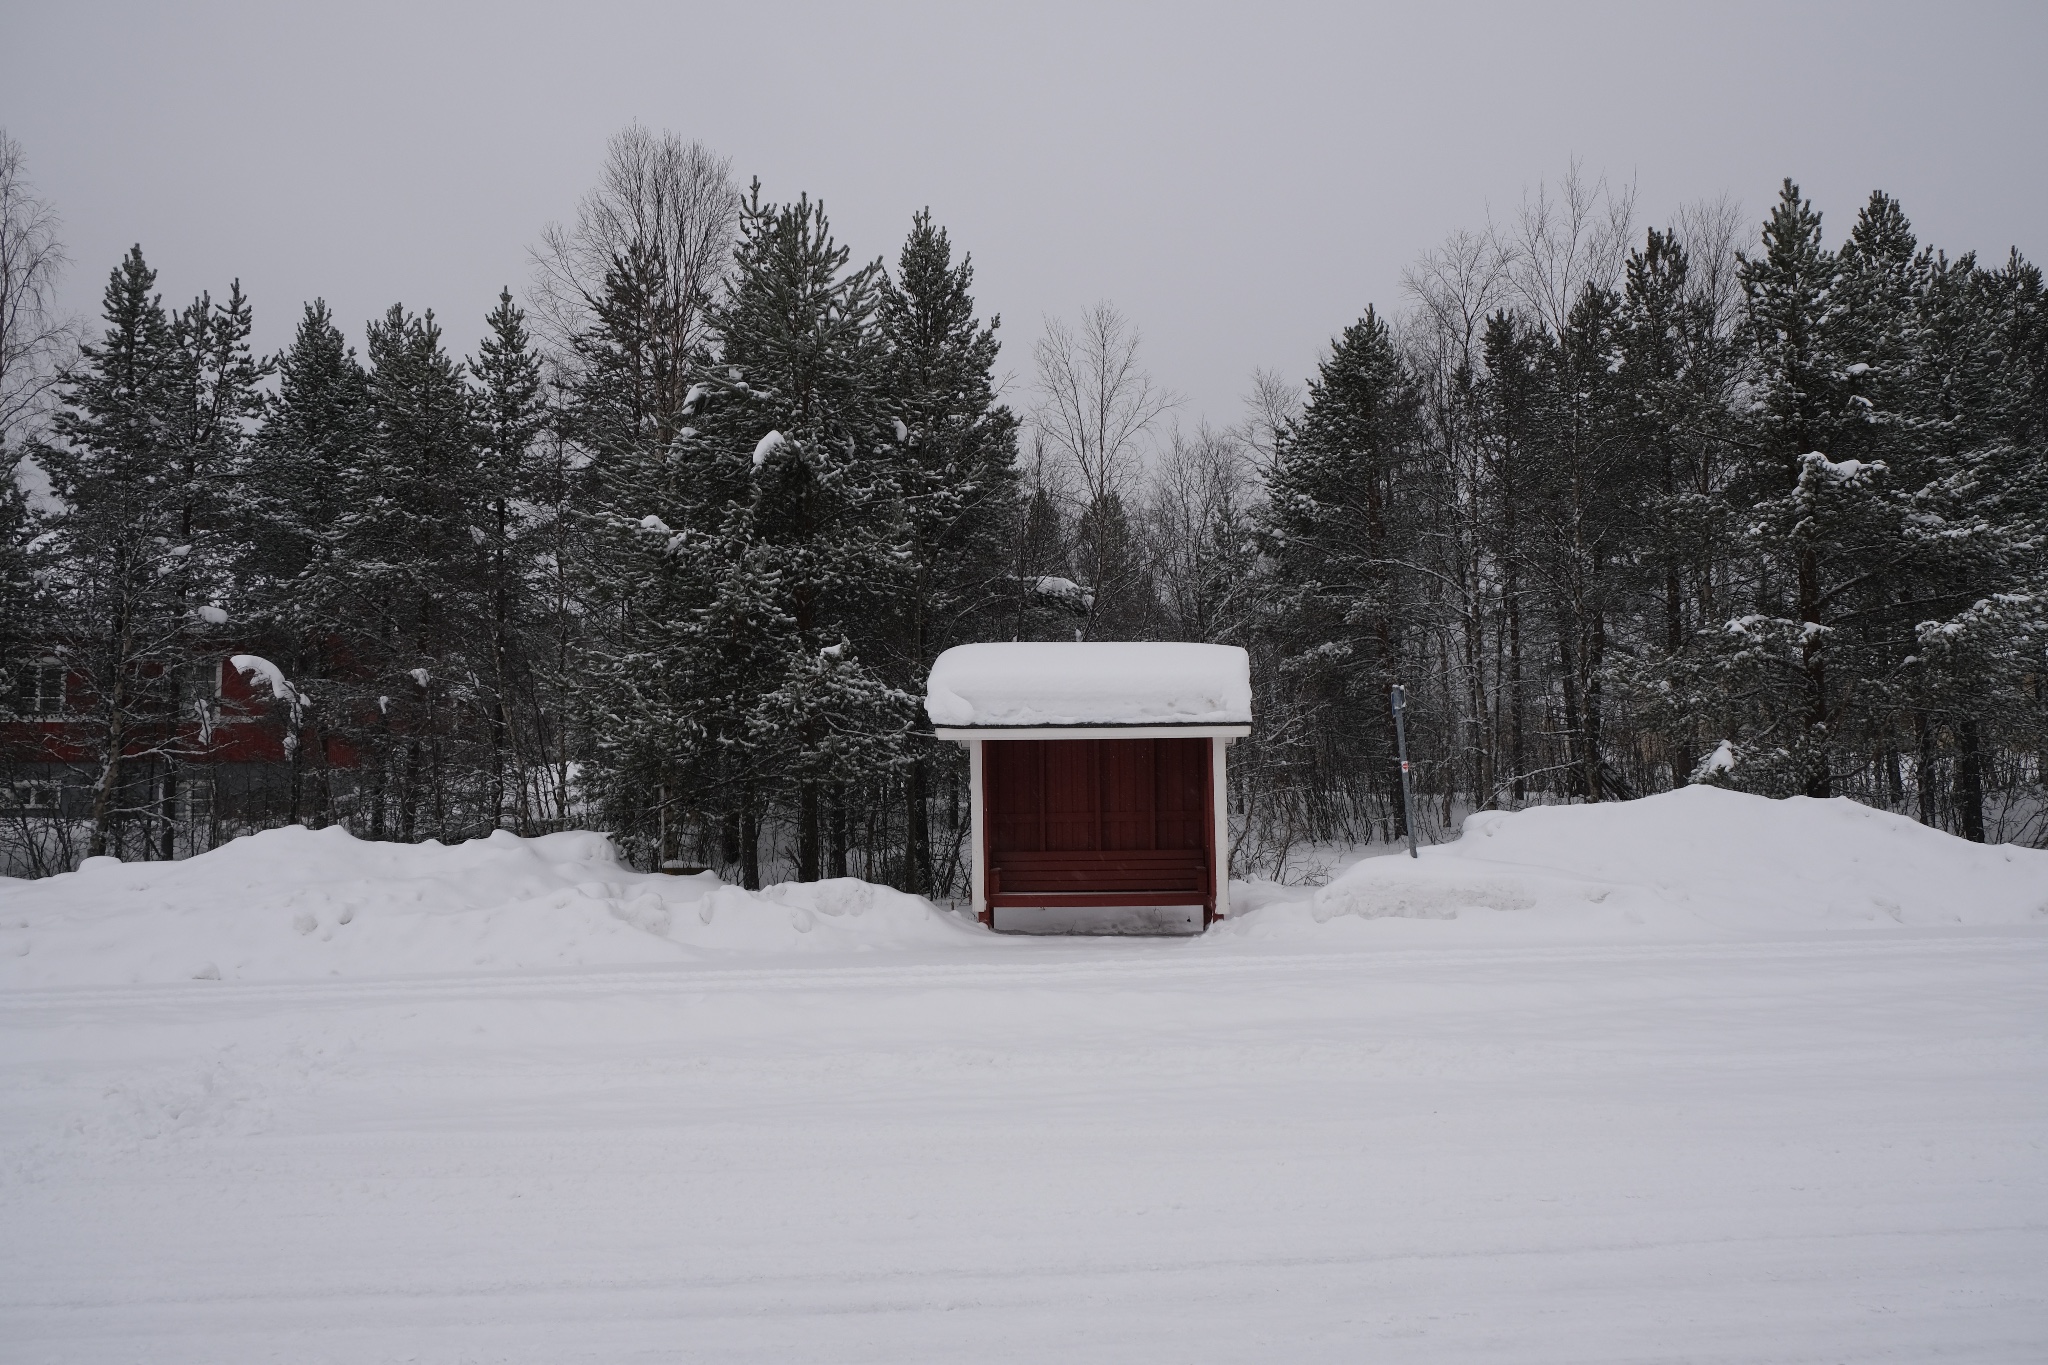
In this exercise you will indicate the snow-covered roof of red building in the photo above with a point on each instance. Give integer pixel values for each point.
(1125, 683)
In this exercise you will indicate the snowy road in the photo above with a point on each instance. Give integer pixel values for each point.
(1831, 1148)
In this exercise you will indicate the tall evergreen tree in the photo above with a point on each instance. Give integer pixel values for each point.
(152, 430)
(1792, 328)
(749, 568)
(826, 521)
(407, 534)
(297, 588)
(1515, 399)
(1339, 531)
(956, 476)
(511, 415)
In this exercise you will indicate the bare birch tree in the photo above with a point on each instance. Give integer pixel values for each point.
(1713, 232)
(33, 337)
(1566, 238)
(1097, 408)
(669, 206)
(1097, 404)
(1199, 517)
(1273, 403)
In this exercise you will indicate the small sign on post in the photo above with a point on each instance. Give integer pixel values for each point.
(1400, 700)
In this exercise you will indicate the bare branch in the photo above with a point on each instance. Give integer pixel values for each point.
(1567, 239)
(675, 202)
(1097, 404)
(34, 339)
(1270, 407)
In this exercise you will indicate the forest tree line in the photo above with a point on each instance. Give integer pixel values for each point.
(670, 551)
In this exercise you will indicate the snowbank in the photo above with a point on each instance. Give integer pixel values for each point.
(1691, 858)
(1090, 684)
(297, 903)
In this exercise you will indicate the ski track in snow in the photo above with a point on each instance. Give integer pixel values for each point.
(1826, 1147)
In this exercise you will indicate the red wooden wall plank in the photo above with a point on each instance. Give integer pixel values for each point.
(1097, 795)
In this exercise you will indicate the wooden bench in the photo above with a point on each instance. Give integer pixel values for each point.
(1109, 878)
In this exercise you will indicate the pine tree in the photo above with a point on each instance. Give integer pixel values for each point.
(298, 589)
(1337, 528)
(955, 472)
(1677, 371)
(1792, 328)
(744, 571)
(657, 682)
(511, 415)
(150, 439)
(1976, 533)
(1515, 399)
(407, 536)
(1586, 489)
(826, 522)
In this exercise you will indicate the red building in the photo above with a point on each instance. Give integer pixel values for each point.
(219, 743)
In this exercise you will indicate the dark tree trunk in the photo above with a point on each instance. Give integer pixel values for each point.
(167, 819)
(835, 863)
(1969, 782)
(1568, 669)
(1923, 734)
(917, 833)
(1819, 781)
(1517, 721)
(807, 833)
(1595, 659)
(750, 845)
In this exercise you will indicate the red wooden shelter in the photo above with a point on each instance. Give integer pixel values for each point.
(1097, 771)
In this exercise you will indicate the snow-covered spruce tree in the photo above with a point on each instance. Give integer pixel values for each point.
(35, 839)
(1338, 529)
(744, 571)
(1870, 364)
(1586, 493)
(406, 539)
(1514, 398)
(955, 470)
(826, 529)
(644, 678)
(297, 595)
(511, 414)
(1976, 528)
(153, 426)
(1775, 652)
(1676, 370)
(218, 405)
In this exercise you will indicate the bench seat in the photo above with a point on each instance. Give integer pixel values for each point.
(1106, 877)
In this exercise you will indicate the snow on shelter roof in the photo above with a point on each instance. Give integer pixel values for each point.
(1131, 683)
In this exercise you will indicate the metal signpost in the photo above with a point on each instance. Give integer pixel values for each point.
(1401, 740)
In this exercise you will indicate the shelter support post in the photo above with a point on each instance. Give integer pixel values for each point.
(1219, 804)
(977, 833)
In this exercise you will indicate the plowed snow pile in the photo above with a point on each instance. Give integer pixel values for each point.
(1695, 858)
(297, 903)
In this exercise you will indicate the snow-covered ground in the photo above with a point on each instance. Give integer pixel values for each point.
(1700, 1078)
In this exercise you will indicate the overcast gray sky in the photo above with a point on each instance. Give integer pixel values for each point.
(1242, 180)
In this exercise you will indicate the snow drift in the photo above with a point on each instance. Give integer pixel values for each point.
(304, 904)
(1695, 857)
(296, 903)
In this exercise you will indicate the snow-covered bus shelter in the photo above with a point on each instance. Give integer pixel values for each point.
(1097, 774)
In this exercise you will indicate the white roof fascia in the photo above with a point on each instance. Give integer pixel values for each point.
(1107, 731)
